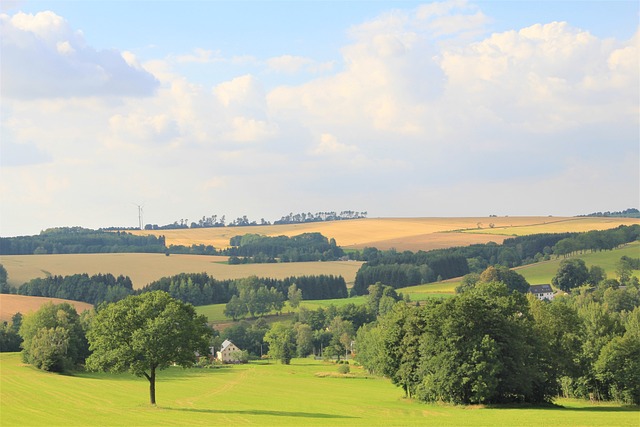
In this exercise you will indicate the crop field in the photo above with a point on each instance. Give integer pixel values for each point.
(12, 304)
(305, 393)
(558, 225)
(145, 268)
(401, 233)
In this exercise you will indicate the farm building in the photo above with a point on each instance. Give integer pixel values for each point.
(542, 292)
(228, 352)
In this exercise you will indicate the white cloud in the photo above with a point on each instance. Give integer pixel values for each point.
(529, 112)
(329, 145)
(288, 63)
(42, 57)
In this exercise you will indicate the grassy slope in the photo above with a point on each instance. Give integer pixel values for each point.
(543, 272)
(256, 394)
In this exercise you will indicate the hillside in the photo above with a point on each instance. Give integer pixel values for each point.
(401, 233)
(11, 304)
(145, 268)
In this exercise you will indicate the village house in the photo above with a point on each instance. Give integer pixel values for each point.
(542, 292)
(228, 352)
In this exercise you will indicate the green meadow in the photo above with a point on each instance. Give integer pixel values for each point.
(542, 272)
(305, 393)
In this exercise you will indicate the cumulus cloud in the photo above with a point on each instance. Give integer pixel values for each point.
(43, 57)
(420, 97)
(329, 145)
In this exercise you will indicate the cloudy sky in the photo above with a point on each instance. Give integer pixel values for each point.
(397, 108)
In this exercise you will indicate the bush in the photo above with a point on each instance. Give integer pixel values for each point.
(344, 369)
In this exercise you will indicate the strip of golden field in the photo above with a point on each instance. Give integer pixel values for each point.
(145, 268)
(400, 233)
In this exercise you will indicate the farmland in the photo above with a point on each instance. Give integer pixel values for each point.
(259, 393)
(11, 304)
(145, 268)
(401, 233)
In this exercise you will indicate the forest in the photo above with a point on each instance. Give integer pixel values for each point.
(76, 240)
(195, 288)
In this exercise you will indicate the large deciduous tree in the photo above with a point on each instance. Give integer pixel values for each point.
(146, 333)
(53, 338)
(571, 274)
(282, 342)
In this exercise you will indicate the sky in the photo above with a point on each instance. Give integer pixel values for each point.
(263, 108)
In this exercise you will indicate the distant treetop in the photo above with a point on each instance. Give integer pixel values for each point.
(627, 213)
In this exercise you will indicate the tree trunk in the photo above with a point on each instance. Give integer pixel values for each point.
(152, 385)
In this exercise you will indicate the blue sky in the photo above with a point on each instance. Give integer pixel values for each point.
(398, 108)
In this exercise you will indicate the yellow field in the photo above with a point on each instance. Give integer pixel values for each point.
(401, 233)
(383, 233)
(11, 304)
(559, 225)
(145, 268)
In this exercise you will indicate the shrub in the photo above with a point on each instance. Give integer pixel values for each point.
(344, 369)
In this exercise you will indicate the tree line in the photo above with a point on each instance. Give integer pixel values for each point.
(243, 221)
(202, 289)
(195, 288)
(627, 213)
(75, 240)
(93, 289)
(303, 247)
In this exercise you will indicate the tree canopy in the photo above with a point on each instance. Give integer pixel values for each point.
(53, 338)
(146, 333)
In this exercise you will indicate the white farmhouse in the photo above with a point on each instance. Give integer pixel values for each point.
(227, 352)
(542, 292)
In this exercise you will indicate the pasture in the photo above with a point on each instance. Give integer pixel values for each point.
(542, 272)
(259, 394)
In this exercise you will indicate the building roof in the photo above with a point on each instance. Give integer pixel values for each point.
(540, 289)
(225, 344)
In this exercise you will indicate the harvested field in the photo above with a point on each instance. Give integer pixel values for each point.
(576, 225)
(12, 304)
(400, 233)
(145, 268)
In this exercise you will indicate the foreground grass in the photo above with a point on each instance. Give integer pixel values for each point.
(258, 394)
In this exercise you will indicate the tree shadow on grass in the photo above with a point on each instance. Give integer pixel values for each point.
(556, 407)
(260, 412)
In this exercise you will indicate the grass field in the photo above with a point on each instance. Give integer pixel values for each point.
(543, 272)
(258, 394)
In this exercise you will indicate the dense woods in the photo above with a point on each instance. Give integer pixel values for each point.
(202, 289)
(80, 287)
(493, 345)
(76, 240)
(304, 247)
